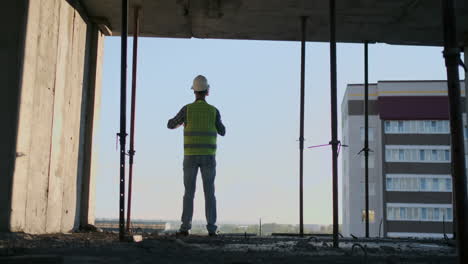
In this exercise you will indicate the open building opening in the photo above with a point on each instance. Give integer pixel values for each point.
(255, 85)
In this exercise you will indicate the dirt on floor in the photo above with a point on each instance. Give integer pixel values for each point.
(105, 247)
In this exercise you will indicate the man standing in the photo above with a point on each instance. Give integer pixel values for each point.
(202, 123)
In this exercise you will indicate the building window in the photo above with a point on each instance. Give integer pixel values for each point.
(436, 214)
(416, 127)
(390, 184)
(449, 215)
(414, 213)
(418, 183)
(371, 216)
(435, 184)
(419, 212)
(427, 126)
(422, 184)
(421, 155)
(388, 126)
(448, 184)
(400, 127)
(405, 153)
(403, 213)
(423, 213)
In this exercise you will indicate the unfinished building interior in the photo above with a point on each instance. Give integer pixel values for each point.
(51, 70)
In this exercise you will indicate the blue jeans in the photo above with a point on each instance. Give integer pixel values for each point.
(207, 165)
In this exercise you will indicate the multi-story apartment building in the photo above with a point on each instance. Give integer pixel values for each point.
(410, 185)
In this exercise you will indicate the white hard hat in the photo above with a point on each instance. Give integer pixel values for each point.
(200, 84)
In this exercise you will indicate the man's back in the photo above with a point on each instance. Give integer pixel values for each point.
(200, 129)
(181, 119)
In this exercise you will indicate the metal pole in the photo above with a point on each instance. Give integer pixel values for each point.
(131, 152)
(366, 131)
(260, 227)
(301, 133)
(334, 120)
(123, 105)
(452, 60)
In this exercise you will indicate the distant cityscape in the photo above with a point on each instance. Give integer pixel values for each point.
(198, 227)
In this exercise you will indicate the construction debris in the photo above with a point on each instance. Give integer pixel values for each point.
(103, 247)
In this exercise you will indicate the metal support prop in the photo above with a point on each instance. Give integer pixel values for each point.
(131, 152)
(452, 62)
(260, 227)
(123, 116)
(366, 131)
(334, 120)
(301, 132)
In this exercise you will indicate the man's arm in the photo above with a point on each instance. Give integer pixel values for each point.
(178, 120)
(219, 124)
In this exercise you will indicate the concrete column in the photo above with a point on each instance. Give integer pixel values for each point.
(50, 71)
(89, 125)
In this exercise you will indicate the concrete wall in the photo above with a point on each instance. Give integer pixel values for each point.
(13, 15)
(58, 87)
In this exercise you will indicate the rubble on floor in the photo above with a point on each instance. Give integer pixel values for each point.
(100, 247)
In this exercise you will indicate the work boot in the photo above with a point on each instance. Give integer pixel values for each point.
(212, 234)
(181, 233)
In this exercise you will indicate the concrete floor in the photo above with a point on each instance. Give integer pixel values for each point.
(105, 248)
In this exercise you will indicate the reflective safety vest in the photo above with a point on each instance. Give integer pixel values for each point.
(200, 129)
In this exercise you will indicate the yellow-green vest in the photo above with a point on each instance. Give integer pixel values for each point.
(200, 129)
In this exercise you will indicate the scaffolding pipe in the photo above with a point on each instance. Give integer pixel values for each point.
(452, 61)
(301, 130)
(123, 105)
(131, 152)
(334, 120)
(366, 132)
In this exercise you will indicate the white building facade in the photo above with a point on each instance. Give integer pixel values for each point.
(410, 185)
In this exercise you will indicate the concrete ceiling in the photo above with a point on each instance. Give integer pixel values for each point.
(407, 22)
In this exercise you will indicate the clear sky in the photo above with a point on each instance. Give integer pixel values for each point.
(255, 85)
